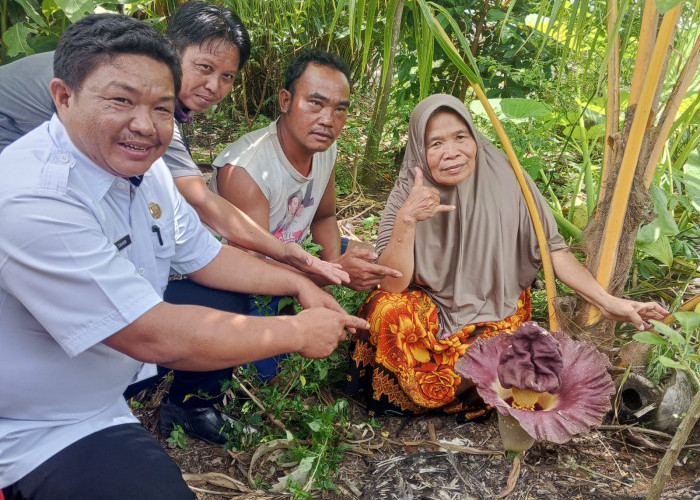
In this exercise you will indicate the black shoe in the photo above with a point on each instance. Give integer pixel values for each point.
(207, 423)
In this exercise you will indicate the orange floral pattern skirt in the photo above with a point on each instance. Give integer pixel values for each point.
(404, 368)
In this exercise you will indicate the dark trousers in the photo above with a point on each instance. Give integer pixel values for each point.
(120, 462)
(192, 383)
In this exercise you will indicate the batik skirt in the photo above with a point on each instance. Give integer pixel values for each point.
(404, 368)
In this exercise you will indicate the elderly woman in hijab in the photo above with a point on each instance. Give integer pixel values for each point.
(457, 227)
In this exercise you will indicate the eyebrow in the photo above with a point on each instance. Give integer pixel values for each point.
(211, 61)
(134, 90)
(436, 137)
(322, 97)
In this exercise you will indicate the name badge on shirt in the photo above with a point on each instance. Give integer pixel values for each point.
(122, 243)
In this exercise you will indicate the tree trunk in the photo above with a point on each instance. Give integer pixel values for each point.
(663, 473)
(611, 231)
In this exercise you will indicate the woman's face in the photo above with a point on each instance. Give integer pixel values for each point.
(450, 148)
(292, 205)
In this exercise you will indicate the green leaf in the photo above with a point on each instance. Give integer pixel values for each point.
(691, 178)
(660, 327)
(32, 13)
(16, 40)
(647, 337)
(673, 336)
(76, 9)
(664, 224)
(495, 15)
(446, 44)
(596, 131)
(477, 108)
(314, 425)
(669, 363)
(518, 109)
(664, 6)
(659, 249)
(689, 320)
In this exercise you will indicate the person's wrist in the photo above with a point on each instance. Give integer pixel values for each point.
(302, 285)
(293, 333)
(406, 218)
(282, 251)
(601, 298)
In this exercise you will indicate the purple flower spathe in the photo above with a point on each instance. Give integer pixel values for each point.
(580, 403)
(532, 361)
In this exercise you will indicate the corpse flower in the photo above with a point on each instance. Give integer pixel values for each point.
(543, 384)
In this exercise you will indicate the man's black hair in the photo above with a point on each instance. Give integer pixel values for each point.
(98, 38)
(196, 22)
(318, 57)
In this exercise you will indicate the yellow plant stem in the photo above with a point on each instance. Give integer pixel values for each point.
(670, 111)
(623, 186)
(688, 305)
(647, 37)
(612, 113)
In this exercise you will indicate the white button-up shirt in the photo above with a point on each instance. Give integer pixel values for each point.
(83, 254)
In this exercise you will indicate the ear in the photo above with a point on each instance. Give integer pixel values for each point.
(285, 97)
(61, 93)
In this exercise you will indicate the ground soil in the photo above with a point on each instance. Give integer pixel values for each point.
(437, 458)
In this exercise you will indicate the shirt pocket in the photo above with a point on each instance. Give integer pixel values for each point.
(163, 240)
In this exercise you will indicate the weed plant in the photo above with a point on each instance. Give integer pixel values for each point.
(297, 405)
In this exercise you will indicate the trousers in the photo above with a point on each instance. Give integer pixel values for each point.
(207, 383)
(119, 462)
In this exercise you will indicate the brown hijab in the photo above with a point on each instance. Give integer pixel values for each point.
(475, 260)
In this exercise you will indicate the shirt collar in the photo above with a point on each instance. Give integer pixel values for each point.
(182, 114)
(97, 179)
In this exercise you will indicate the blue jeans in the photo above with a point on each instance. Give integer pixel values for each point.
(268, 367)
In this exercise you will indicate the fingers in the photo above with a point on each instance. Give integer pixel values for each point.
(444, 208)
(304, 261)
(353, 322)
(650, 310)
(639, 323)
(325, 329)
(419, 177)
(331, 271)
(636, 319)
(362, 253)
(371, 277)
(634, 312)
(370, 270)
(383, 271)
(424, 202)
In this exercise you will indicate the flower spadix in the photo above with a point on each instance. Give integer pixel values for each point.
(553, 386)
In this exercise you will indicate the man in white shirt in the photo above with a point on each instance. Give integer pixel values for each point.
(90, 229)
(264, 172)
(213, 45)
